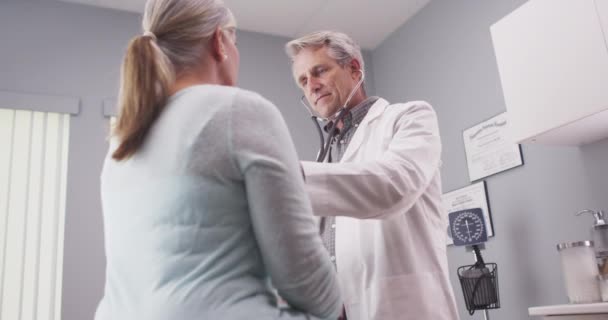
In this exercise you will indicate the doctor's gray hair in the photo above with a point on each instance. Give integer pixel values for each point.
(176, 34)
(340, 46)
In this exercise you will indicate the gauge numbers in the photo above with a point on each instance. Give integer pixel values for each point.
(468, 227)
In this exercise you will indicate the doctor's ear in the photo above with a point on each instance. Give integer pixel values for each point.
(355, 67)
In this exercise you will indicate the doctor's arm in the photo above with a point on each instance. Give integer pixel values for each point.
(388, 185)
(281, 215)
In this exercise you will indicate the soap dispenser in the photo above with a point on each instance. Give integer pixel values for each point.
(599, 233)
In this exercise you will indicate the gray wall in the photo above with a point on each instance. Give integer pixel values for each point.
(63, 49)
(444, 55)
(58, 48)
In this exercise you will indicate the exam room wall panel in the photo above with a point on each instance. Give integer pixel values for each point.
(444, 55)
(57, 48)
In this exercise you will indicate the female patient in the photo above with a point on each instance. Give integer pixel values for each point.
(202, 195)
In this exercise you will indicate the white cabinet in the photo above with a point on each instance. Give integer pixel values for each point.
(591, 311)
(552, 59)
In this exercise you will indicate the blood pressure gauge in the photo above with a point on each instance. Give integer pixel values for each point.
(468, 227)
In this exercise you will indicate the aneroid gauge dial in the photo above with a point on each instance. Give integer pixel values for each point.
(468, 227)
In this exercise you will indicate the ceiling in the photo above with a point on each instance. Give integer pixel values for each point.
(369, 22)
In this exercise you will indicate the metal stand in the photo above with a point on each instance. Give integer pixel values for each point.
(486, 313)
(479, 281)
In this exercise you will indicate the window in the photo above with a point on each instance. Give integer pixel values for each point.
(33, 174)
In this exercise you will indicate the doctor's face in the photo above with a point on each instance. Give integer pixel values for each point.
(325, 84)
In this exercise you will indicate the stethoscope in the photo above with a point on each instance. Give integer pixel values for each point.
(325, 144)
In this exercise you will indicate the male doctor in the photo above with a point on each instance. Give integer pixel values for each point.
(380, 204)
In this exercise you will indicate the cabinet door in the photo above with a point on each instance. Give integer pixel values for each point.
(553, 65)
(602, 9)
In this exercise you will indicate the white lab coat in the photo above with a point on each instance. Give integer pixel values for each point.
(390, 225)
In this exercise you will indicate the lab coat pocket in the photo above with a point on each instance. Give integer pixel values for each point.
(405, 297)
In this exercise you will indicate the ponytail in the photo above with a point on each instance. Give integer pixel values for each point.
(146, 76)
(183, 28)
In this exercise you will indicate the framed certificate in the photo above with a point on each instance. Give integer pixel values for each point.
(489, 149)
(469, 197)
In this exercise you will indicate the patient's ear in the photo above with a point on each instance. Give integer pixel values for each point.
(218, 51)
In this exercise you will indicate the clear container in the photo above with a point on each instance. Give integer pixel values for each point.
(580, 271)
(603, 282)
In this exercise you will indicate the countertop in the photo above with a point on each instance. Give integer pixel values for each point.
(572, 308)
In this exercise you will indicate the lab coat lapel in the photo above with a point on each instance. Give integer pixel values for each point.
(374, 112)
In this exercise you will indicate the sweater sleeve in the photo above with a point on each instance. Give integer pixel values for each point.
(281, 212)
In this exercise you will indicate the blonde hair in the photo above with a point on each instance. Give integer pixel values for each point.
(176, 33)
(340, 46)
